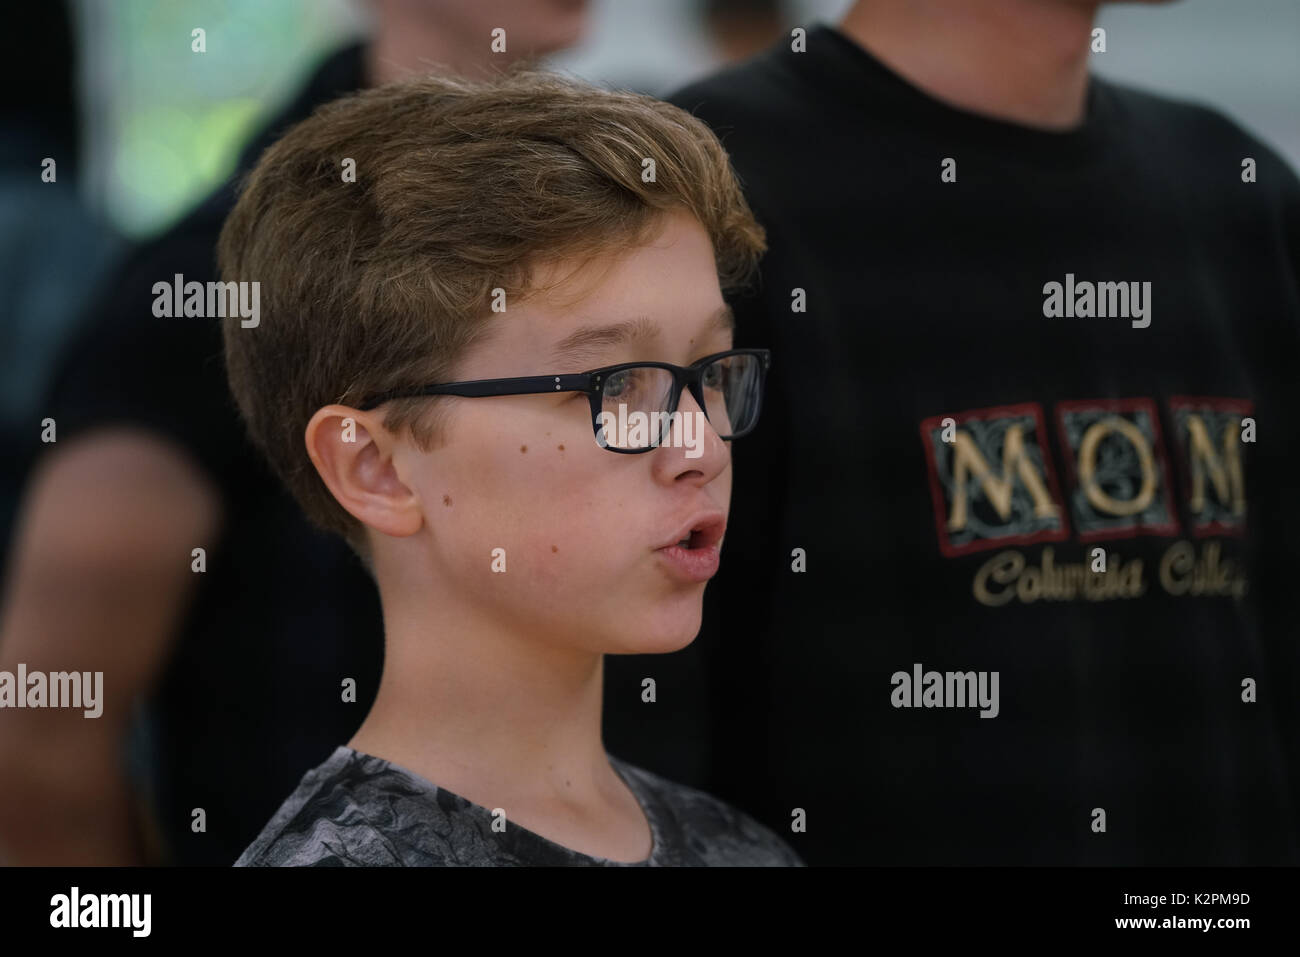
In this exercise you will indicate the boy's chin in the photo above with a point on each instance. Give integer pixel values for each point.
(663, 644)
(655, 635)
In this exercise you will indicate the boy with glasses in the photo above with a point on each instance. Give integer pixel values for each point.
(476, 362)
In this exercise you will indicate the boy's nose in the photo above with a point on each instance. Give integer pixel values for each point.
(688, 405)
(706, 452)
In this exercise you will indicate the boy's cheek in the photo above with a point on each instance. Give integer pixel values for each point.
(553, 539)
(563, 518)
(528, 464)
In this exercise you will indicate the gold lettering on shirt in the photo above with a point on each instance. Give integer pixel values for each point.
(1088, 467)
(969, 461)
(1183, 570)
(1224, 473)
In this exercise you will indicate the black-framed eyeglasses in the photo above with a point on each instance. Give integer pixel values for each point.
(727, 386)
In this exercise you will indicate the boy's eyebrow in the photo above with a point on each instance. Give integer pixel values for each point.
(641, 329)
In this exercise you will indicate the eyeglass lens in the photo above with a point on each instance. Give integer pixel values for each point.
(731, 387)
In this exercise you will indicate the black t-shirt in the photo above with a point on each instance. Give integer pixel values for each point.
(252, 695)
(871, 542)
(357, 810)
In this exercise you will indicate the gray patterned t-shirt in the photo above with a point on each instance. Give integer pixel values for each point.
(359, 810)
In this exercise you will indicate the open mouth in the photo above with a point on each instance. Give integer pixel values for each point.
(694, 557)
(705, 533)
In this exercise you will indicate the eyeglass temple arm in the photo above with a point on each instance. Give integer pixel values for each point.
(527, 385)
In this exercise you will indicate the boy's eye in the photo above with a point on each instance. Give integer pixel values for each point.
(714, 375)
(616, 385)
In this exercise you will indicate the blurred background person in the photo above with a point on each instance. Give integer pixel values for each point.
(1066, 520)
(739, 29)
(244, 664)
(54, 247)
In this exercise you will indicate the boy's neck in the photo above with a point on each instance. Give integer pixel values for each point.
(490, 716)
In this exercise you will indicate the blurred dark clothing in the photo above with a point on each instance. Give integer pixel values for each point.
(925, 301)
(38, 78)
(252, 696)
(54, 253)
(54, 249)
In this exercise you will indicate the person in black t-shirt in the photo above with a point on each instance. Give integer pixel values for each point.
(1033, 417)
(151, 463)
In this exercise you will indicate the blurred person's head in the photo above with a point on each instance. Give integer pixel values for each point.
(457, 36)
(1023, 61)
(740, 29)
(526, 191)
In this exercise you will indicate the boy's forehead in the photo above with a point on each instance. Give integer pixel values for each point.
(582, 339)
(676, 263)
(595, 336)
(659, 291)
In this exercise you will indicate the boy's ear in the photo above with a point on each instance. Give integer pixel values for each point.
(353, 453)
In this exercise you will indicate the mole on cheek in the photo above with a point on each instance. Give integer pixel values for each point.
(555, 548)
(523, 448)
(446, 500)
(560, 447)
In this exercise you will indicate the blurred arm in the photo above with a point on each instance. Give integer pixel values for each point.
(99, 579)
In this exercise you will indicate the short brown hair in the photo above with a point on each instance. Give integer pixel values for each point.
(461, 186)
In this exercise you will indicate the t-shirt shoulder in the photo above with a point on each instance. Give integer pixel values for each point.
(756, 88)
(708, 831)
(323, 823)
(1208, 149)
(1191, 121)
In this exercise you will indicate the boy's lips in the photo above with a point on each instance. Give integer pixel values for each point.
(693, 555)
(703, 530)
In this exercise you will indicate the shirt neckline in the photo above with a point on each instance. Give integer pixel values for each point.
(645, 801)
(839, 66)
